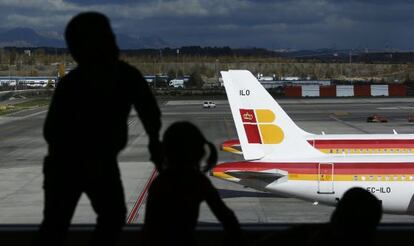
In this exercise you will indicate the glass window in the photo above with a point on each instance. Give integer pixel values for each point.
(330, 51)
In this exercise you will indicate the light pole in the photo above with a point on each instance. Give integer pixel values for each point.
(10, 74)
(176, 68)
(160, 62)
(215, 68)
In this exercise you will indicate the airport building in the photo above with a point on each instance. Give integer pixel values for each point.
(164, 80)
(395, 90)
(28, 81)
(296, 87)
(269, 84)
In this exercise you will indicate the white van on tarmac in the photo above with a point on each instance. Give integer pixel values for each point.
(209, 104)
(176, 83)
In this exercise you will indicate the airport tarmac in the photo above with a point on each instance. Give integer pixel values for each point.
(22, 149)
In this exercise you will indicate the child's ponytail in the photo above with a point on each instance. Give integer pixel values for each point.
(212, 157)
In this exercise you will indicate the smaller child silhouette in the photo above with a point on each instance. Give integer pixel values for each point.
(175, 195)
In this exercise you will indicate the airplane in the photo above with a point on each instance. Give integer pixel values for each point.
(338, 143)
(279, 159)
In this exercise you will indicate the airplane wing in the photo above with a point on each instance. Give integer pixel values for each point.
(267, 176)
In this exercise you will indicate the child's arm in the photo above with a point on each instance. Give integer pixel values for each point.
(222, 212)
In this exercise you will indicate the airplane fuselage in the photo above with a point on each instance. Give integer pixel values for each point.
(282, 158)
(391, 182)
(349, 144)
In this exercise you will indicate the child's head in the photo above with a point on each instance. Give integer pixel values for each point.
(185, 146)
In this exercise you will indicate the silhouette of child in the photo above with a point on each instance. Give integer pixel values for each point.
(354, 221)
(175, 195)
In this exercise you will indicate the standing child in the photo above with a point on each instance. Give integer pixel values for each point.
(175, 195)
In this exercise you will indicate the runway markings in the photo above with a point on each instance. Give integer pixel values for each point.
(388, 108)
(10, 118)
(133, 215)
(348, 124)
(192, 102)
(396, 108)
(198, 112)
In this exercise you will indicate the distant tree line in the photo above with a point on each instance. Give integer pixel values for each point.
(207, 62)
(367, 58)
(168, 52)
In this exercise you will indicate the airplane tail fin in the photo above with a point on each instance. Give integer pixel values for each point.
(264, 128)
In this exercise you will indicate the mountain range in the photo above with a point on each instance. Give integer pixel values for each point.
(26, 37)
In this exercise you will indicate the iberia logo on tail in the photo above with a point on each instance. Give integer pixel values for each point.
(259, 128)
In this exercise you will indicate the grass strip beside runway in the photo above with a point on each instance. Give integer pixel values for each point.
(12, 108)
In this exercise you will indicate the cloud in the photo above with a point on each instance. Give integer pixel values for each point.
(239, 23)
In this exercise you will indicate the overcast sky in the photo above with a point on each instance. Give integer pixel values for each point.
(302, 24)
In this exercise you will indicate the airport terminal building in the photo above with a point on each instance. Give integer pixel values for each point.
(35, 82)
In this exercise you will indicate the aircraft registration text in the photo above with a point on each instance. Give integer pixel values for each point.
(383, 190)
